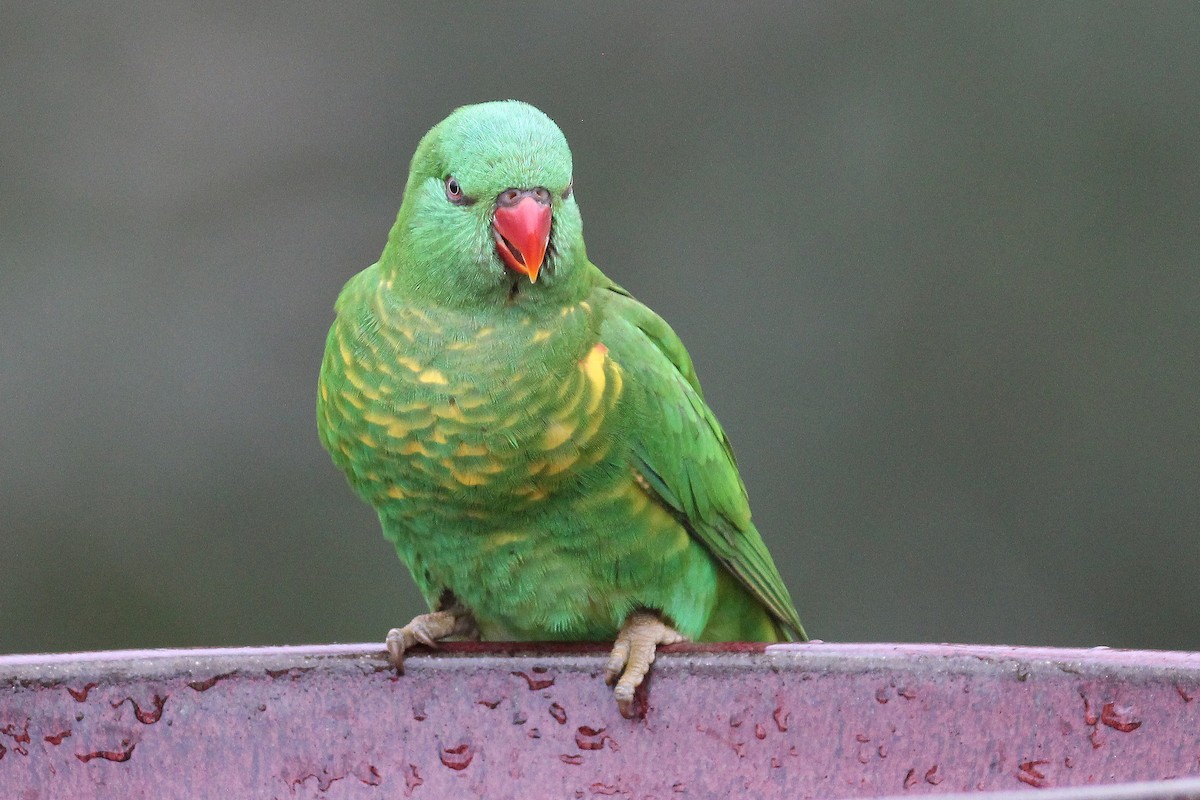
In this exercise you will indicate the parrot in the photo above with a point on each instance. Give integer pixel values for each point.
(534, 440)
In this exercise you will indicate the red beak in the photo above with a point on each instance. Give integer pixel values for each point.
(522, 231)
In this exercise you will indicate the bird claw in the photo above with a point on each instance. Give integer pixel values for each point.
(428, 629)
(633, 653)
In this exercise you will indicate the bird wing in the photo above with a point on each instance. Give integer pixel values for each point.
(681, 452)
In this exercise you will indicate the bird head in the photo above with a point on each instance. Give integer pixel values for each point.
(488, 209)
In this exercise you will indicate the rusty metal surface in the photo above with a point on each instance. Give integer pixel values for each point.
(503, 720)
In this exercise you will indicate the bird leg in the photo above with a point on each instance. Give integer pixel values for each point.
(634, 652)
(429, 629)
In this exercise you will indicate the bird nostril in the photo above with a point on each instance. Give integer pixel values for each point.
(510, 197)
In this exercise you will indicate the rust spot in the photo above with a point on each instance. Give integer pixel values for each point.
(932, 776)
(910, 779)
(490, 703)
(575, 760)
(1183, 693)
(559, 713)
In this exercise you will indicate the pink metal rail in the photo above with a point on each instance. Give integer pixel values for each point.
(510, 720)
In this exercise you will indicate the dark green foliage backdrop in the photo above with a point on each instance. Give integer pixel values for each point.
(937, 265)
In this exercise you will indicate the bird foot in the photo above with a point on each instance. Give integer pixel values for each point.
(633, 653)
(429, 629)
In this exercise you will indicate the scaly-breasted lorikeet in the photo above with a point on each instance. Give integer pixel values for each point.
(534, 439)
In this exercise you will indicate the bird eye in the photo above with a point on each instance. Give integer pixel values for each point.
(567, 191)
(454, 192)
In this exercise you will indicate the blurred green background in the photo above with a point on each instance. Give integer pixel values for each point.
(938, 266)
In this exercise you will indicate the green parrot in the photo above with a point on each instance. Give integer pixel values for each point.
(533, 438)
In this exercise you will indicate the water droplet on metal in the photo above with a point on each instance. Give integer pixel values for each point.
(1119, 718)
(412, 779)
(590, 738)
(1029, 772)
(81, 695)
(782, 719)
(457, 757)
(535, 684)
